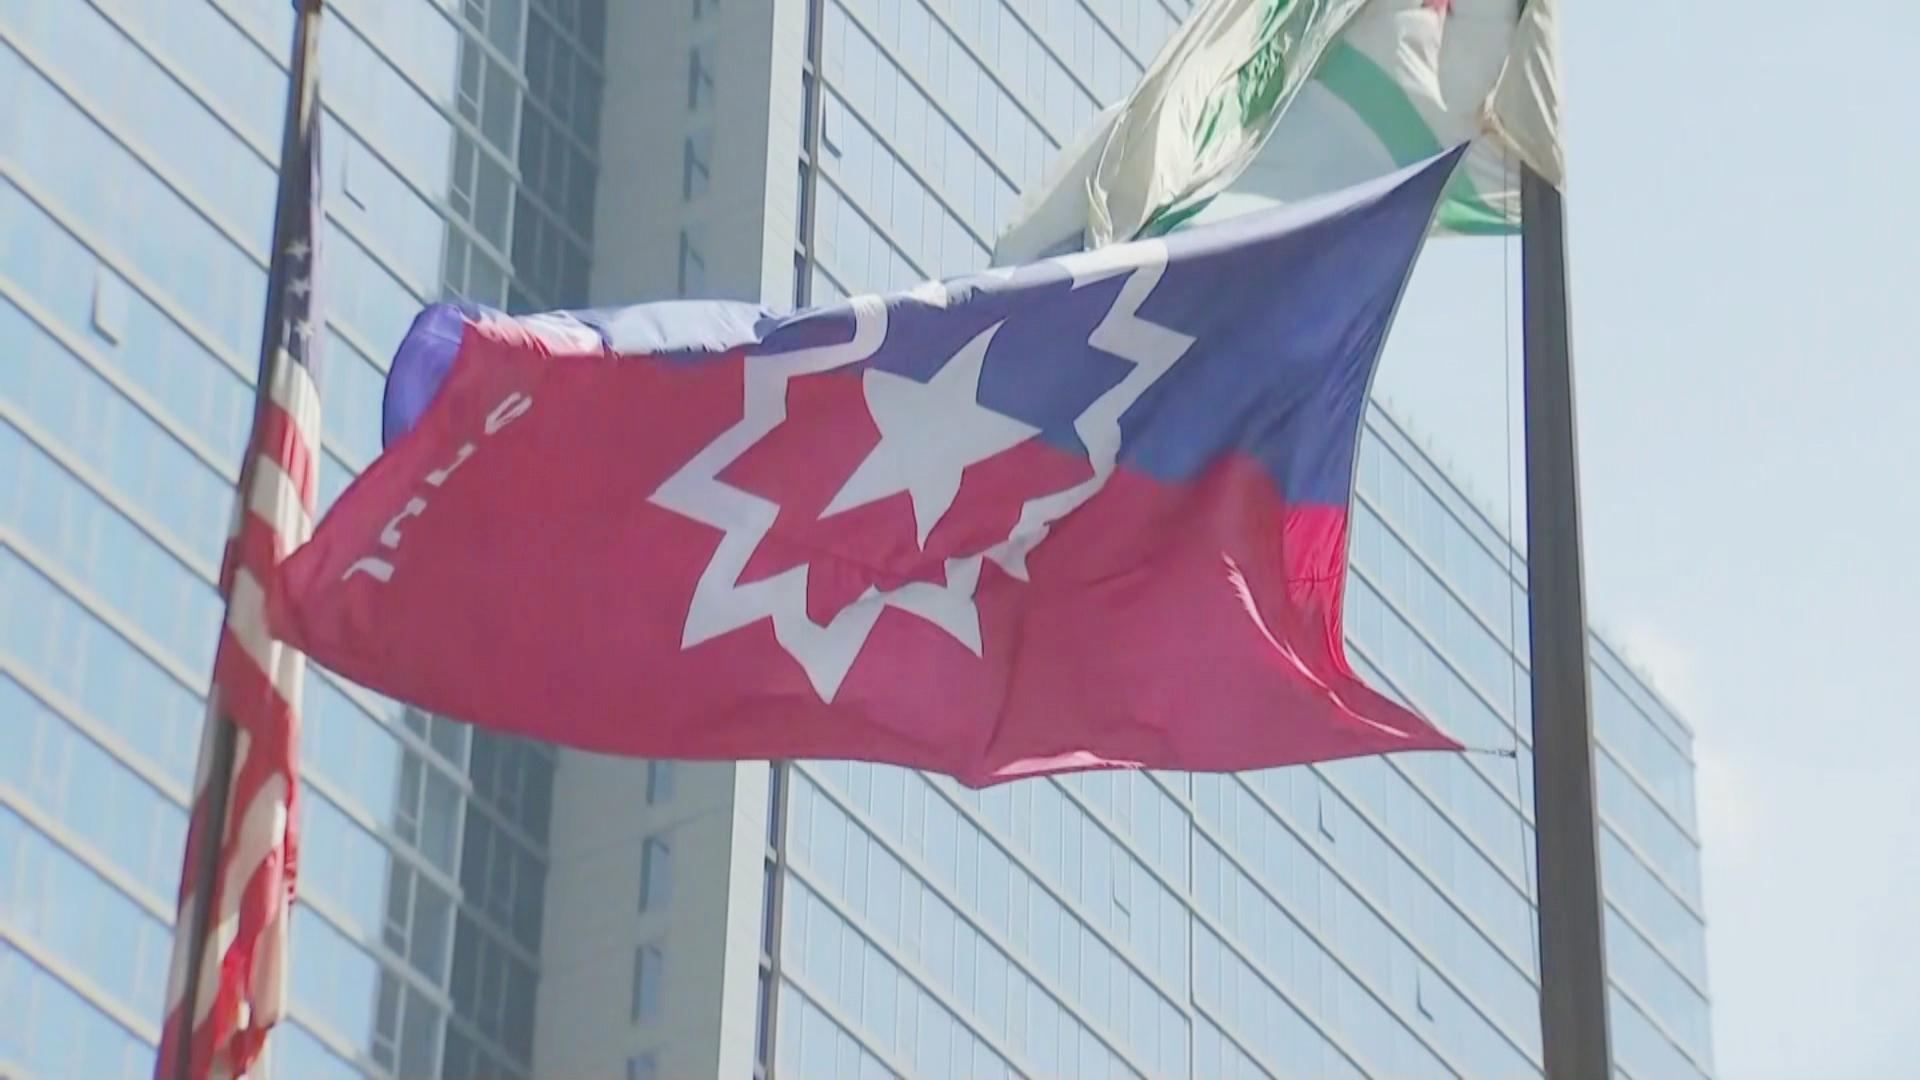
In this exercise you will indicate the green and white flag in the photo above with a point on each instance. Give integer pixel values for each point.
(1258, 102)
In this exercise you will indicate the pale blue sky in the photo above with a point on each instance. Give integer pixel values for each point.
(1744, 202)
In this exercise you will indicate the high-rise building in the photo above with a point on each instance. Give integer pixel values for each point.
(138, 148)
(474, 905)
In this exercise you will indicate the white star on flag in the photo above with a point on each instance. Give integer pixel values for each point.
(929, 434)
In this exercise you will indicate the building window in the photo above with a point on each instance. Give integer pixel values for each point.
(419, 921)
(799, 301)
(503, 878)
(656, 874)
(643, 1067)
(767, 912)
(467, 91)
(351, 183)
(775, 774)
(480, 191)
(696, 169)
(460, 186)
(407, 1029)
(806, 107)
(703, 8)
(486, 96)
(500, 21)
(800, 206)
(699, 79)
(762, 1041)
(659, 782)
(109, 304)
(647, 976)
(492, 201)
(447, 738)
(592, 27)
(579, 191)
(693, 266)
(494, 991)
(826, 136)
(427, 814)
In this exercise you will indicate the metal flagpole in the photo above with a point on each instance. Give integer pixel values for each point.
(222, 733)
(1573, 966)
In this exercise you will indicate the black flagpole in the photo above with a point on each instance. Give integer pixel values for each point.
(1573, 966)
(224, 735)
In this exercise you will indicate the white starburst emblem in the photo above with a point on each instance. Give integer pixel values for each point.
(930, 432)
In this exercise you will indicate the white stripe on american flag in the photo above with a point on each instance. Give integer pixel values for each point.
(276, 500)
(222, 1020)
(177, 969)
(226, 927)
(292, 389)
(257, 815)
(257, 820)
(261, 829)
(223, 929)
(247, 619)
(226, 923)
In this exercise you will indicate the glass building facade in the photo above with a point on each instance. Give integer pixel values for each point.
(138, 148)
(1370, 917)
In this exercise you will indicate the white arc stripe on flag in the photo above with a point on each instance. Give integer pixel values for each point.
(1400, 81)
(1408, 79)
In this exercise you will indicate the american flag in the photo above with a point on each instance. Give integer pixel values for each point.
(216, 1027)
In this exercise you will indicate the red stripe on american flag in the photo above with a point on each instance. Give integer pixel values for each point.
(256, 686)
(258, 551)
(239, 989)
(261, 854)
(282, 439)
(284, 443)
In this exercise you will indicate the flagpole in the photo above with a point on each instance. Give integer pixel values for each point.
(222, 734)
(1573, 967)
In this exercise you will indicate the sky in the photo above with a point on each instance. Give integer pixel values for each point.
(1743, 202)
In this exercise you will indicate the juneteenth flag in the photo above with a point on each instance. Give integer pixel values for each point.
(1090, 512)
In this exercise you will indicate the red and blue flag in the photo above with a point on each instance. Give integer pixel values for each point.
(1090, 512)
